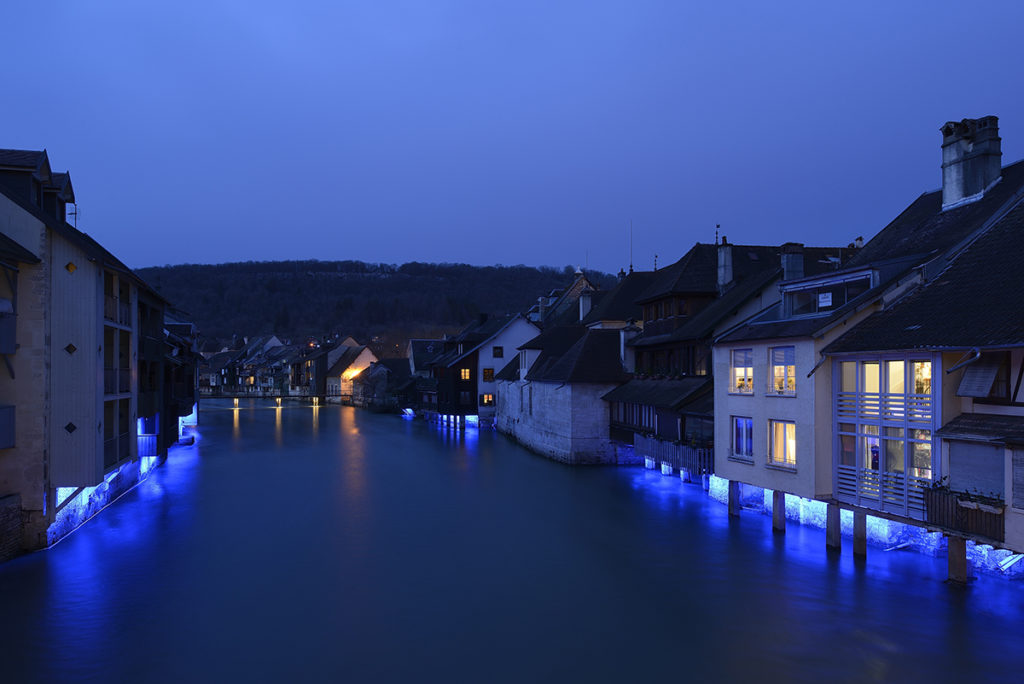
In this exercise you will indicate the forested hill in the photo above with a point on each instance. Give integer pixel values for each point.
(298, 298)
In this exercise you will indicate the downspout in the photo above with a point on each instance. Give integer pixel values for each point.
(964, 362)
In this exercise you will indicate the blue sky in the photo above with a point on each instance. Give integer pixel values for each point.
(497, 132)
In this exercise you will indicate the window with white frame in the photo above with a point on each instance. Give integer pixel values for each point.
(782, 443)
(743, 437)
(742, 371)
(782, 362)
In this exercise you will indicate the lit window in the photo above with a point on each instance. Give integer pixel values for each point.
(742, 371)
(488, 375)
(783, 376)
(487, 400)
(464, 373)
(782, 442)
(498, 352)
(743, 437)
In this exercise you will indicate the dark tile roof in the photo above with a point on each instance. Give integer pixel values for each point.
(985, 427)
(510, 371)
(924, 228)
(667, 394)
(12, 252)
(703, 323)
(556, 339)
(22, 159)
(620, 303)
(424, 351)
(975, 302)
(697, 270)
(594, 358)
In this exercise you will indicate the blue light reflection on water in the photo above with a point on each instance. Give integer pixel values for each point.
(383, 549)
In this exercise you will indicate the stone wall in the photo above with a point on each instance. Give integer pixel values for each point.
(10, 527)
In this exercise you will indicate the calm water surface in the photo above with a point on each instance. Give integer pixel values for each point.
(296, 545)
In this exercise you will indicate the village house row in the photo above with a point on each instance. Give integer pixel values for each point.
(827, 384)
(98, 373)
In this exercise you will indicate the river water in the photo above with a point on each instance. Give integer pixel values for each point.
(331, 544)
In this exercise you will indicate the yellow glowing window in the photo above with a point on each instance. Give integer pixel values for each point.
(464, 373)
(783, 362)
(487, 400)
(782, 436)
(742, 371)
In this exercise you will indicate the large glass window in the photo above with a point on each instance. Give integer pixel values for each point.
(464, 373)
(742, 371)
(783, 370)
(743, 437)
(782, 442)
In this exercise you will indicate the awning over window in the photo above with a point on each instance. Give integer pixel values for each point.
(978, 378)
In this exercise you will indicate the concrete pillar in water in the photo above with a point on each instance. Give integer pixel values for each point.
(860, 534)
(779, 511)
(734, 497)
(833, 529)
(957, 547)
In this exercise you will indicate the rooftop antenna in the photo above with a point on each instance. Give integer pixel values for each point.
(74, 214)
(717, 226)
(630, 245)
(655, 262)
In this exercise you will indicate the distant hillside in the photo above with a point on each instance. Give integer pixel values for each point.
(299, 298)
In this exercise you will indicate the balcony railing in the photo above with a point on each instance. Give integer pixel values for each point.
(895, 493)
(695, 461)
(954, 511)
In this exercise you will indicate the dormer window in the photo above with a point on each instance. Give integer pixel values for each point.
(822, 298)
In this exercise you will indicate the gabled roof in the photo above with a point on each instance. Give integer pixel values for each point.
(620, 303)
(481, 334)
(346, 359)
(423, 352)
(399, 368)
(62, 183)
(594, 358)
(924, 227)
(29, 160)
(975, 302)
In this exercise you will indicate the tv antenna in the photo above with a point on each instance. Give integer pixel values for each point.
(630, 245)
(74, 214)
(717, 226)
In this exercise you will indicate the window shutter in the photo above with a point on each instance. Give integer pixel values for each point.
(978, 379)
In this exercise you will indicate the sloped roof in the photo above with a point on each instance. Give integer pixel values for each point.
(424, 351)
(667, 394)
(924, 227)
(986, 427)
(510, 371)
(975, 302)
(346, 359)
(12, 252)
(22, 159)
(594, 358)
(702, 324)
(620, 303)
(399, 368)
(697, 270)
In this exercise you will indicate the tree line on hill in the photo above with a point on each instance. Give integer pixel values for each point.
(386, 303)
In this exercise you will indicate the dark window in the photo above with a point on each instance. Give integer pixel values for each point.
(498, 352)
(488, 375)
(464, 398)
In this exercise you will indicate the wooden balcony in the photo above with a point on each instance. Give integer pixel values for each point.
(957, 512)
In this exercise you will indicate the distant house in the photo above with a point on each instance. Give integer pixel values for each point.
(383, 386)
(421, 354)
(347, 362)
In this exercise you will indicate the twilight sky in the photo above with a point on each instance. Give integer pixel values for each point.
(486, 131)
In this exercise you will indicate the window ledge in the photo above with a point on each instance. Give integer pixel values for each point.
(780, 467)
(741, 394)
(788, 395)
(741, 459)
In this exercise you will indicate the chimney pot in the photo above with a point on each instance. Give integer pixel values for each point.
(792, 261)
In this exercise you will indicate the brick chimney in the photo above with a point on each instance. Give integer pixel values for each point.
(971, 159)
(792, 261)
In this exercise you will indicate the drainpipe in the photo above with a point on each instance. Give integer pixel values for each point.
(964, 362)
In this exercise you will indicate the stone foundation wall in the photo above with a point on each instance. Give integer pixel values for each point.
(10, 527)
